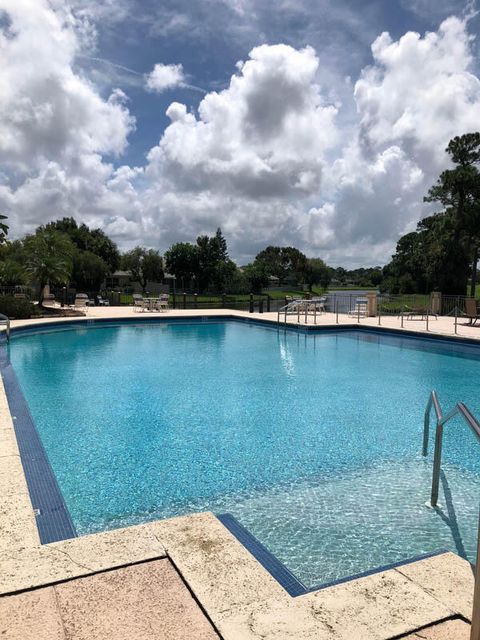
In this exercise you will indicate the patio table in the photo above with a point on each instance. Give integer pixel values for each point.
(150, 303)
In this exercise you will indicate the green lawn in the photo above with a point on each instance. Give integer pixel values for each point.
(404, 303)
(293, 293)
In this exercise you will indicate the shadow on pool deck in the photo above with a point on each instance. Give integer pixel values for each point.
(448, 630)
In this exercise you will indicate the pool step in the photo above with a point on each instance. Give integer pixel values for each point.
(279, 571)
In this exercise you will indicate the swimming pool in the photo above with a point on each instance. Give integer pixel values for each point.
(311, 440)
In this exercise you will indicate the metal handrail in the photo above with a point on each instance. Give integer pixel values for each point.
(432, 401)
(300, 307)
(474, 424)
(5, 320)
(442, 420)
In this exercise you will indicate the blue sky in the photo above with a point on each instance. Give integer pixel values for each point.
(208, 38)
(315, 123)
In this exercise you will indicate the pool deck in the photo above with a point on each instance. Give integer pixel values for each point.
(442, 325)
(189, 577)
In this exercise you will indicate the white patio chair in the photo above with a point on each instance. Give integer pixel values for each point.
(138, 302)
(162, 303)
(318, 304)
(360, 308)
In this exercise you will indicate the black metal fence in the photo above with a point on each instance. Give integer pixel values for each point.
(338, 302)
(453, 305)
(17, 290)
(253, 303)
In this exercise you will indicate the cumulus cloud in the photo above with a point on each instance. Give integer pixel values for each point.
(54, 126)
(419, 91)
(418, 94)
(264, 136)
(268, 158)
(46, 110)
(165, 76)
(373, 202)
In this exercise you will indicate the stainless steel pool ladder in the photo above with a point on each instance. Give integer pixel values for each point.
(302, 308)
(5, 322)
(441, 421)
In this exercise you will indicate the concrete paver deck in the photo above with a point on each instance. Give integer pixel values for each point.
(94, 587)
(146, 601)
(442, 325)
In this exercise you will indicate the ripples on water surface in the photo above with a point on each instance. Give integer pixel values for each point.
(312, 442)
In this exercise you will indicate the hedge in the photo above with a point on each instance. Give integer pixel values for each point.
(16, 307)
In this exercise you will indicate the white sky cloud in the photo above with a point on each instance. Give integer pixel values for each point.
(418, 94)
(46, 110)
(264, 136)
(420, 90)
(269, 158)
(165, 76)
(428, 8)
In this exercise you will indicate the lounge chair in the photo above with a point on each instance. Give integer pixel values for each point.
(360, 308)
(81, 302)
(103, 302)
(471, 310)
(49, 300)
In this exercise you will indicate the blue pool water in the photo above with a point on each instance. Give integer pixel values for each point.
(311, 441)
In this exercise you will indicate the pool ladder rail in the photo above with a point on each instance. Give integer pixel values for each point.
(441, 421)
(302, 308)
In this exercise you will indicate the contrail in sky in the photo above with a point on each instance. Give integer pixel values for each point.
(137, 73)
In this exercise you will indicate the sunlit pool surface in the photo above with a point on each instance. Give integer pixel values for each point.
(311, 441)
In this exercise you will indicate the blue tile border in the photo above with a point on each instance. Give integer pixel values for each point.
(381, 569)
(53, 519)
(275, 568)
(292, 585)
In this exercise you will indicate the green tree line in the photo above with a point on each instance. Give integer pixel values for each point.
(63, 253)
(442, 253)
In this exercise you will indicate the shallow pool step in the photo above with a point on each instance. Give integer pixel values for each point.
(279, 571)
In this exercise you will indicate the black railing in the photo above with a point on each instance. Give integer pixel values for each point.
(253, 302)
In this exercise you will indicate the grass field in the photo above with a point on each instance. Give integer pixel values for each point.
(405, 303)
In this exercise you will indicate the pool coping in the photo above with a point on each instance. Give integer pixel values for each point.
(162, 546)
(29, 326)
(289, 581)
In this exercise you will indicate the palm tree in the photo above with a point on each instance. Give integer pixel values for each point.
(12, 273)
(48, 258)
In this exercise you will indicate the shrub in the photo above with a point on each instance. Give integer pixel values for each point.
(16, 307)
